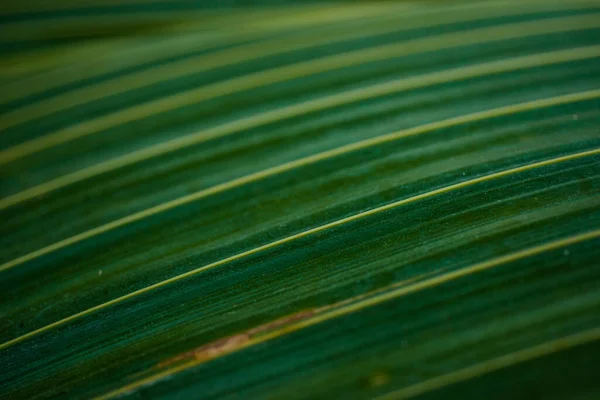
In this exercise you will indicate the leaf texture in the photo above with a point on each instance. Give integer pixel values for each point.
(332, 200)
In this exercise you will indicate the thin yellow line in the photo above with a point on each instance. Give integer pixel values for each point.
(450, 276)
(14, 29)
(260, 175)
(495, 364)
(253, 341)
(347, 97)
(281, 74)
(270, 15)
(393, 294)
(174, 70)
(274, 46)
(43, 5)
(309, 232)
(226, 57)
(39, 83)
(257, 26)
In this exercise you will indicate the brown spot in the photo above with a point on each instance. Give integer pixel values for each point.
(221, 346)
(210, 350)
(232, 343)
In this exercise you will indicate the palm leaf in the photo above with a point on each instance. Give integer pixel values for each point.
(341, 200)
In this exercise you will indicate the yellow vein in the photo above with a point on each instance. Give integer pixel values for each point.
(303, 14)
(402, 290)
(43, 5)
(302, 162)
(489, 366)
(239, 33)
(285, 73)
(14, 29)
(306, 233)
(207, 15)
(192, 65)
(466, 271)
(388, 23)
(346, 97)
(301, 17)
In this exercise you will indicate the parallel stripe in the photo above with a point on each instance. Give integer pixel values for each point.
(305, 11)
(276, 46)
(252, 28)
(346, 97)
(44, 6)
(404, 290)
(489, 366)
(281, 74)
(257, 176)
(331, 225)
(243, 54)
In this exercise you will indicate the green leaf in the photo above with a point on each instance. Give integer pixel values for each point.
(341, 200)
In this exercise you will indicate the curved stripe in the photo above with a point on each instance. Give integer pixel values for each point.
(403, 290)
(316, 230)
(307, 18)
(269, 172)
(253, 51)
(285, 73)
(486, 367)
(192, 65)
(343, 98)
(45, 6)
(270, 12)
(249, 52)
(236, 33)
(77, 15)
(267, 17)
